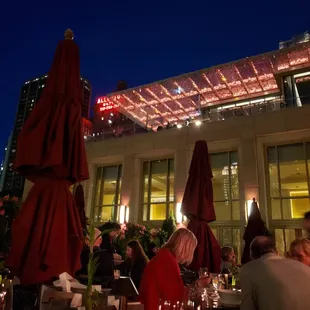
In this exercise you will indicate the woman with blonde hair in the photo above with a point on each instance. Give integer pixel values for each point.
(300, 250)
(162, 277)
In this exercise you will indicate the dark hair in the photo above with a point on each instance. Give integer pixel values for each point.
(110, 225)
(225, 253)
(137, 251)
(307, 216)
(262, 245)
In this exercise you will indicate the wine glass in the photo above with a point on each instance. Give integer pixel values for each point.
(203, 272)
(216, 282)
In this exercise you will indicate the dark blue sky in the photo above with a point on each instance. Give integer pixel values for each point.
(139, 41)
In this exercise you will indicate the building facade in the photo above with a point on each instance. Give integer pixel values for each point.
(31, 91)
(253, 113)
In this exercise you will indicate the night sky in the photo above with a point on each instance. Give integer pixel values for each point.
(138, 41)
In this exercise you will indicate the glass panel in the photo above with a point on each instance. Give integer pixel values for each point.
(276, 209)
(280, 241)
(171, 180)
(234, 175)
(145, 182)
(295, 208)
(290, 236)
(119, 180)
(98, 186)
(293, 176)
(145, 209)
(222, 211)
(159, 172)
(215, 232)
(171, 210)
(273, 171)
(235, 210)
(227, 237)
(220, 170)
(107, 213)
(237, 243)
(109, 185)
(158, 212)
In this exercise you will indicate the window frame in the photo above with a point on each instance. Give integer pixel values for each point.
(97, 209)
(148, 204)
(280, 198)
(230, 200)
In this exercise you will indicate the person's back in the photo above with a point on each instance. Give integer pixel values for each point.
(272, 282)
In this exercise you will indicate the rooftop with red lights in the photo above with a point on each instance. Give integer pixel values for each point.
(179, 98)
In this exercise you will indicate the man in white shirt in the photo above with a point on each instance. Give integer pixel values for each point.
(271, 282)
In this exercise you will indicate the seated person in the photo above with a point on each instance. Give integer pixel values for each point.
(135, 262)
(300, 250)
(229, 264)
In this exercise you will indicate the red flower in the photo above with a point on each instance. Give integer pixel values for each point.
(2, 212)
(1, 203)
(6, 198)
(14, 198)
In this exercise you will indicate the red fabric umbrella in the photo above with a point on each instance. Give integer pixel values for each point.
(47, 233)
(80, 202)
(255, 227)
(198, 206)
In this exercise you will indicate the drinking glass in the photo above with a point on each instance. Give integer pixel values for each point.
(216, 282)
(117, 274)
(203, 272)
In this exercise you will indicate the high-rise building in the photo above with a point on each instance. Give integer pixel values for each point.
(31, 91)
(301, 38)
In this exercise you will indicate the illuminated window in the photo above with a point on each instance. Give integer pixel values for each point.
(225, 185)
(107, 193)
(288, 167)
(158, 189)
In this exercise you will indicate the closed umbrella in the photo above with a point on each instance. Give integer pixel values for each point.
(80, 203)
(198, 207)
(47, 233)
(255, 227)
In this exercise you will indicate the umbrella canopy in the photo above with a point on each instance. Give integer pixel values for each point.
(80, 202)
(255, 227)
(47, 233)
(198, 206)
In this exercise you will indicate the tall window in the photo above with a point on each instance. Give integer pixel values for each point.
(225, 185)
(288, 167)
(107, 193)
(158, 189)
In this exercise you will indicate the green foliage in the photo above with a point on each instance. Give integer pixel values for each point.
(169, 225)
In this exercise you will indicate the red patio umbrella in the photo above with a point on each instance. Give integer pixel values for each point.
(80, 203)
(198, 206)
(47, 233)
(255, 227)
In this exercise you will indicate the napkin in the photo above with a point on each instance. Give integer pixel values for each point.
(67, 282)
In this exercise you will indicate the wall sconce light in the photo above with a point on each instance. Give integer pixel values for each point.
(123, 214)
(180, 218)
(249, 207)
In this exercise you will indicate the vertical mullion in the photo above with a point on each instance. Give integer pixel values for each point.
(279, 181)
(229, 178)
(116, 203)
(149, 190)
(167, 188)
(101, 197)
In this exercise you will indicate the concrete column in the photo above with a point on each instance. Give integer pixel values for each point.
(180, 173)
(248, 174)
(130, 191)
(89, 187)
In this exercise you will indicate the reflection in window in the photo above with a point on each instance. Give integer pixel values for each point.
(284, 237)
(225, 185)
(289, 180)
(158, 189)
(107, 193)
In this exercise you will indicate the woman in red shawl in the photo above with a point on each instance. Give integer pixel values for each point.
(162, 278)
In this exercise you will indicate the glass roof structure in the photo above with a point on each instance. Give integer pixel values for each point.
(179, 98)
